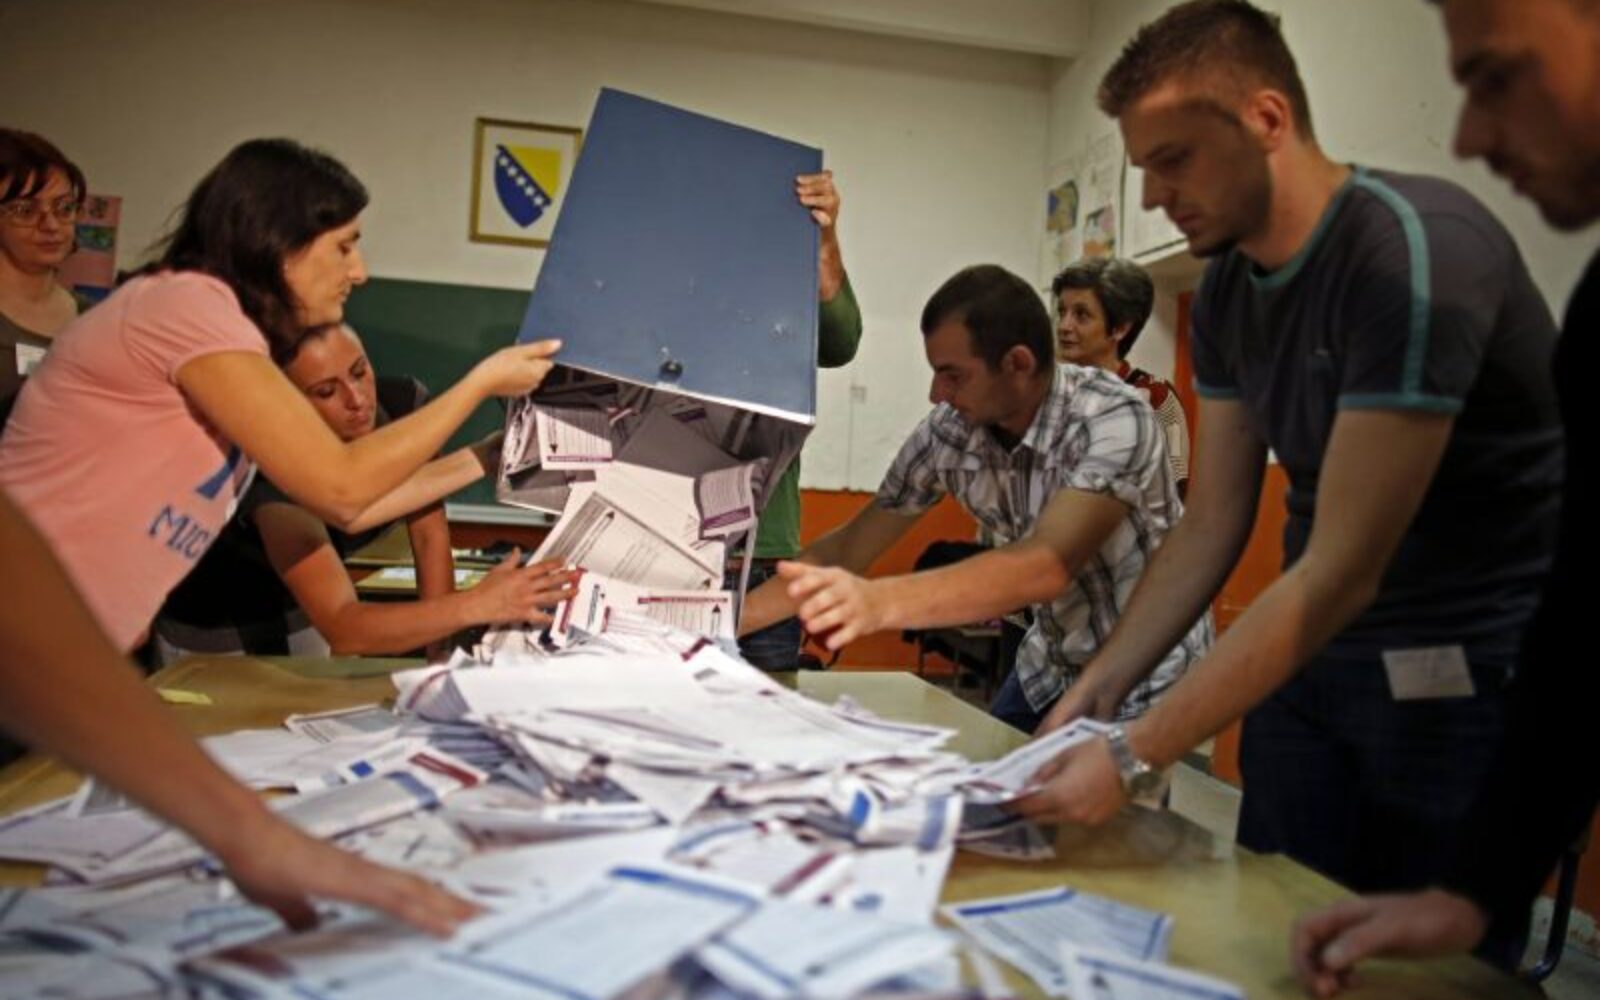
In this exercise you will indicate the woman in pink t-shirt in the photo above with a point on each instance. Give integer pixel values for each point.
(128, 450)
(135, 437)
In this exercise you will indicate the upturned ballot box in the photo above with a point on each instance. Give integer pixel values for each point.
(681, 278)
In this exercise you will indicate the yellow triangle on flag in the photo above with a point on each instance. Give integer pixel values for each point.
(543, 165)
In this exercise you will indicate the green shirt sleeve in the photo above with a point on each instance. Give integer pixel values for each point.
(839, 328)
(838, 336)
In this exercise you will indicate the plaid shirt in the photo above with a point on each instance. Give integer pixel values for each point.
(1093, 433)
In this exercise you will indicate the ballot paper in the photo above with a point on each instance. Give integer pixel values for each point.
(550, 868)
(726, 499)
(572, 437)
(1027, 930)
(897, 883)
(1096, 974)
(180, 916)
(597, 598)
(49, 834)
(595, 533)
(1011, 777)
(606, 938)
(356, 722)
(794, 950)
(408, 574)
(773, 860)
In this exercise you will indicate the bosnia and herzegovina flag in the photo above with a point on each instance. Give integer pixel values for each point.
(526, 179)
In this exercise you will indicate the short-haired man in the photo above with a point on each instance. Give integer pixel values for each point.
(1530, 69)
(1380, 333)
(1063, 465)
(1102, 305)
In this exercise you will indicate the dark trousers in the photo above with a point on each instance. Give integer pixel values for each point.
(1367, 790)
(776, 647)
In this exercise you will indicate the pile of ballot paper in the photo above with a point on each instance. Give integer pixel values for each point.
(651, 492)
(640, 813)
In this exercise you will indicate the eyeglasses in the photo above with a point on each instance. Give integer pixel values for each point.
(28, 212)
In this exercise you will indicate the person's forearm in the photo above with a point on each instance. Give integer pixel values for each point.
(429, 484)
(988, 585)
(430, 550)
(1285, 626)
(368, 628)
(68, 692)
(770, 603)
(1176, 589)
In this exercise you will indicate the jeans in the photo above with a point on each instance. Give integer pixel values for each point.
(776, 647)
(1011, 706)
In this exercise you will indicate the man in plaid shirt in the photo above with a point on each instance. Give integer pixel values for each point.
(1064, 466)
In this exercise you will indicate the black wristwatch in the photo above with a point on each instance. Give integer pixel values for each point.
(1138, 777)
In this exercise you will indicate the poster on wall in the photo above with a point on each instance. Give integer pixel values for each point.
(520, 172)
(91, 271)
(1063, 238)
(1101, 190)
(1146, 235)
(1081, 207)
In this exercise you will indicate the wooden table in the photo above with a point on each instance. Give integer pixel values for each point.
(1232, 908)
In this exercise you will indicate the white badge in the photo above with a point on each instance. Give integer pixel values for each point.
(1436, 672)
(28, 358)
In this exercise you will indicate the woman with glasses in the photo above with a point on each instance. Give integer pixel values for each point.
(40, 193)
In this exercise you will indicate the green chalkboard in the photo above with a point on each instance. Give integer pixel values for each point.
(436, 333)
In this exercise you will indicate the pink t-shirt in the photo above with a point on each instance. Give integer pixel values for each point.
(106, 457)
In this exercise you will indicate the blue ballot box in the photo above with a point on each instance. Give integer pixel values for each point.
(681, 276)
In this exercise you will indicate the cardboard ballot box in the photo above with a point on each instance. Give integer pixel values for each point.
(682, 280)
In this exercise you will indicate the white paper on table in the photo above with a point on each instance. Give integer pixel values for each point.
(572, 437)
(78, 844)
(183, 916)
(775, 861)
(1096, 974)
(1027, 929)
(793, 949)
(420, 782)
(343, 723)
(119, 974)
(560, 866)
(897, 883)
(1018, 840)
(595, 533)
(1011, 777)
(606, 938)
(346, 952)
(408, 574)
(675, 796)
(726, 499)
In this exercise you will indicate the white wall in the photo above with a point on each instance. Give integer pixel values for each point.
(1381, 95)
(938, 150)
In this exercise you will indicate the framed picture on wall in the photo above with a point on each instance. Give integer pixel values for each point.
(520, 172)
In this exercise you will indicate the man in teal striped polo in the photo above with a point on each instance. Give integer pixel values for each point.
(1380, 335)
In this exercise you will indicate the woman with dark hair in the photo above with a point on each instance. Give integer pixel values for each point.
(40, 194)
(130, 446)
(128, 450)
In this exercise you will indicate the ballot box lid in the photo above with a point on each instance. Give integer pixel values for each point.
(683, 260)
